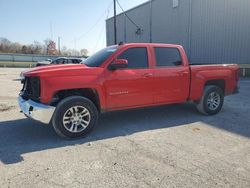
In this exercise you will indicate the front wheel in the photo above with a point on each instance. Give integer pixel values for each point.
(211, 101)
(74, 117)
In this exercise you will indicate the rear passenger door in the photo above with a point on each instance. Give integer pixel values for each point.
(171, 76)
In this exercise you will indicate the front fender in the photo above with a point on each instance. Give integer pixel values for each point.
(51, 85)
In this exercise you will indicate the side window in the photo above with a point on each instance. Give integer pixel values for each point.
(76, 61)
(70, 61)
(64, 61)
(167, 57)
(137, 57)
(59, 61)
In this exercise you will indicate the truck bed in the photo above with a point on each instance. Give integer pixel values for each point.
(227, 74)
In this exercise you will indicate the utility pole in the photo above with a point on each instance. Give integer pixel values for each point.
(75, 45)
(51, 31)
(59, 45)
(115, 31)
(150, 21)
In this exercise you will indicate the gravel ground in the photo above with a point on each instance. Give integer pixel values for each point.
(167, 146)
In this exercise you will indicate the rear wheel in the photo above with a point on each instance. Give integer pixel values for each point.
(74, 117)
(211, 101)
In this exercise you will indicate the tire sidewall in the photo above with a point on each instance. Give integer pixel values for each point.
(208, 92)
(67, 103)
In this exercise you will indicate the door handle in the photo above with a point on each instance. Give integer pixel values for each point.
(147, 75)
(184, 73)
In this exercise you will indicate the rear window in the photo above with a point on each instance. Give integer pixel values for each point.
(167, 57)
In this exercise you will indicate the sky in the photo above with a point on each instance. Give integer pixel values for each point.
(79, 23)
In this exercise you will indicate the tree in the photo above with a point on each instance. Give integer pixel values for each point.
(49, 47)
(5, 44)
(84, 52)
(37, 47)
(46, 44)
(64, 51)
(24, 49)
(15, 48)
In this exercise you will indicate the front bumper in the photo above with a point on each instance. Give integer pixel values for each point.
(37, 111)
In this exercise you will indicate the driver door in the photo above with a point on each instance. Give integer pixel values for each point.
(132, 86)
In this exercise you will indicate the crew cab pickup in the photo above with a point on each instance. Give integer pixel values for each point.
(71, 96)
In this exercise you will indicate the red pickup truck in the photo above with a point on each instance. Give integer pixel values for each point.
(125, 76)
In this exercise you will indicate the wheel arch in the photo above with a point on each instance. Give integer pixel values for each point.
(90, 93)
(221, 83)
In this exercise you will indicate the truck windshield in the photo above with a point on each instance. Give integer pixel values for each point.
(98, 58)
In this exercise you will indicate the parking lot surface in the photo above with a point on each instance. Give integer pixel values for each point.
(167, 146)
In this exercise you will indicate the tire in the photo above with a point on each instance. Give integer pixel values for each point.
(74, 117)
(212, 100)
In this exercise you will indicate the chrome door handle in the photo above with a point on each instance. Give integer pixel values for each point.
(184, 73)
(146, 75)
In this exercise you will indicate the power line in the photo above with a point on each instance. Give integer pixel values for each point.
(94, 25)
(115, 26)
(51, 31)
(99, 37)
(138, 27)
(101, 34)
(91, 28)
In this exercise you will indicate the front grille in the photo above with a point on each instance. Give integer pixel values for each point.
(31, 88)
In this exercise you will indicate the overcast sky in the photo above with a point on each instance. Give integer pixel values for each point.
(79, 23)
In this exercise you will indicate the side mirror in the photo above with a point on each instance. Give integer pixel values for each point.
(118, 64)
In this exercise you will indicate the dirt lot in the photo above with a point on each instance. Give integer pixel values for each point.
(168, 146)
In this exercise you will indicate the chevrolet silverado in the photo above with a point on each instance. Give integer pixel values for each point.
(71, 96)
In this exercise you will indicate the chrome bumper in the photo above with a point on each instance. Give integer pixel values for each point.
(36, 111)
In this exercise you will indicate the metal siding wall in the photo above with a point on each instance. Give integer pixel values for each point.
(170, 25)
(120, 28)
(211, 31)
(220, 31)
(126, 30)
(120, 23)
(141, 16)
(110, 31)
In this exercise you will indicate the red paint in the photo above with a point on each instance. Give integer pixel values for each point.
(131, 88)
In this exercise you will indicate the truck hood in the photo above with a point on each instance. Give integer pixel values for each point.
(62, 70)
